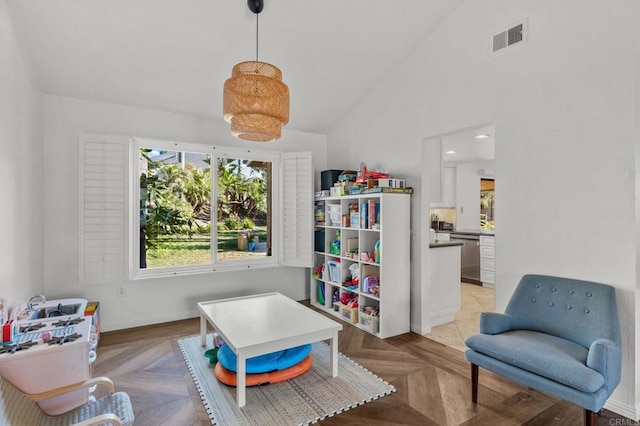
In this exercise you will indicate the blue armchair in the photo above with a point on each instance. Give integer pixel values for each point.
(559, 336)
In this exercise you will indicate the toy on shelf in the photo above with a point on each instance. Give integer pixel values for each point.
(349, 300)
(335, 298)
(335, 244)
(321, 293)
(354, 270)
(370, 310)
(333, 266)
(368, 318)
(350, 286)
(319, 272)
(349, 307)
(319, 214)
(371, 285)
(363, 174)
(344, 298)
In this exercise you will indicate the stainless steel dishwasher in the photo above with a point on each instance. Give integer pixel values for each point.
(470, 257)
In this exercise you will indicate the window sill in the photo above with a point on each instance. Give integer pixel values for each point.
(147, 274)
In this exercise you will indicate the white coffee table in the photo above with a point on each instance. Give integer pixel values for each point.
(265, 323)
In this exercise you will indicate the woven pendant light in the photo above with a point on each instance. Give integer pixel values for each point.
(255, 100)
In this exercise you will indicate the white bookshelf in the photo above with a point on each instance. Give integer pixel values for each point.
(391, 229)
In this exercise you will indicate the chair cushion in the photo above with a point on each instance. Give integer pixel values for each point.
(274, 361)
(552, 357)
(117, 403)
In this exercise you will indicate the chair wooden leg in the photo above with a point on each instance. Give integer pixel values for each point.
(474, 383)
(589, 418)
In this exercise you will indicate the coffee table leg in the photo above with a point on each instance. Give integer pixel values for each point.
(203, 330)
(241, 378)
(334, 354)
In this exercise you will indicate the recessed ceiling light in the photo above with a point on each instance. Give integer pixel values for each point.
(452, 152)
(482, 136)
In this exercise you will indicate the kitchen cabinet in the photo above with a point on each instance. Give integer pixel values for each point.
(443, 185)
(444, 294)
(487, 260)
(442, 176)
(449, 186)
(366, 236)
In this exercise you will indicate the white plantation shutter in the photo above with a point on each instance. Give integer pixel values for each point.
(103, 208)
(296, 212)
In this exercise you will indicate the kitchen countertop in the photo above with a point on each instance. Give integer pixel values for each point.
(439, 244)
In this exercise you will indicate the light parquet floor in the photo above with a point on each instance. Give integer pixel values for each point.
(432, 382)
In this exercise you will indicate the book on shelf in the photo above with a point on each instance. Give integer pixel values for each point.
(387, 190)
(375, 190)
(364, 217)
(372, 208)
(334, 270)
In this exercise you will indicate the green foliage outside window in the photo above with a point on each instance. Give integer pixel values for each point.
(176, 207)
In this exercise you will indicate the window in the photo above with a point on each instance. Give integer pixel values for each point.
(201, 207)
(150, 208)
(244, 208)
(175, 208)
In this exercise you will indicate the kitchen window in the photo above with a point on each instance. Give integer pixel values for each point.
(154, 208)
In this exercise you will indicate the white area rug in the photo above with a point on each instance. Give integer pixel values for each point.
(305, 399)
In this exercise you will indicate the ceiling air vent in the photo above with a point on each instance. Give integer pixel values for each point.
(510, 37)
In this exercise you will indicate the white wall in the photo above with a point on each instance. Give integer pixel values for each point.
(150, 300)
(636, 119)
(563, 108)
(21, 174)
(468, 177)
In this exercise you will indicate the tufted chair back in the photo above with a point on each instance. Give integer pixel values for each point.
(548, 304)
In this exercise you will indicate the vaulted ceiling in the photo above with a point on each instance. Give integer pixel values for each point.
(175, 55)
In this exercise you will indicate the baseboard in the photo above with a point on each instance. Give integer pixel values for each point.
(442, 318)
(623, 409)
(120, 325)
(418, 329)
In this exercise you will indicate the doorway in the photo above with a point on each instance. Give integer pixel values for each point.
(474, 300)
(469, 153)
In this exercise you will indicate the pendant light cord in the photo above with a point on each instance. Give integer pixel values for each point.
(257, 18)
